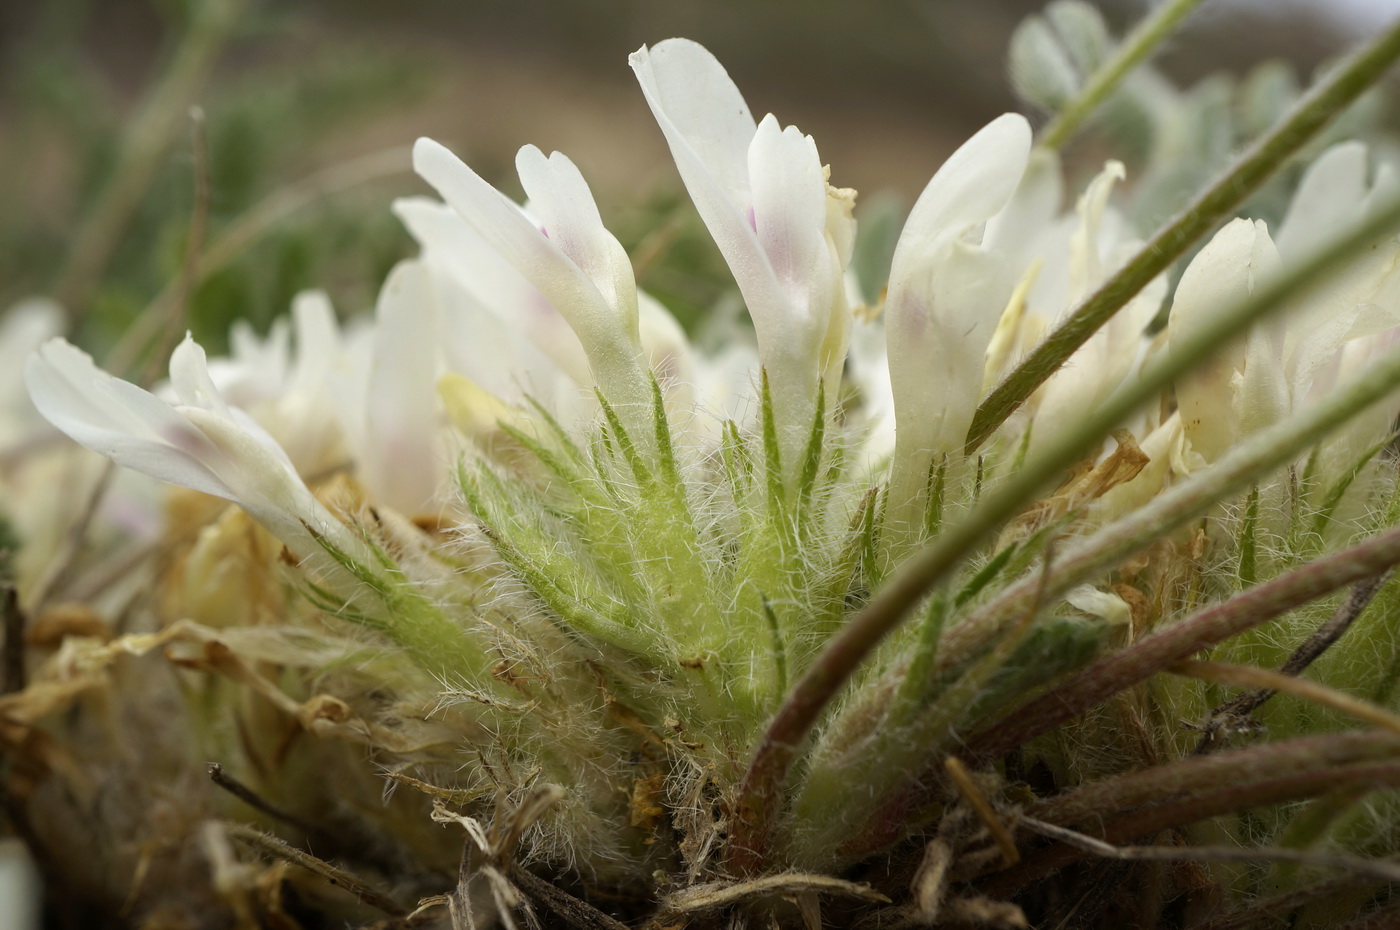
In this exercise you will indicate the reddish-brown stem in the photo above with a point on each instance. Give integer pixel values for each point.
(1190, 809)
(1164, 649)
(1200, 773)
(1135, 664)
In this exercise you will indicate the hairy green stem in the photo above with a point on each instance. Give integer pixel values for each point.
(1267, 155)
(1149, 34)
(146, 141)
(757, 805)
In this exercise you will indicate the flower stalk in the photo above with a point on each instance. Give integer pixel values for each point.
(1167, 648)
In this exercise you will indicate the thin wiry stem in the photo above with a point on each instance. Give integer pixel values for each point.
(1226, 716)
(1266, 156)
(13, 675)
(1272, 682)
(271, 846)
(1148, 35)
(756, 806)
(145, 144)
(248, 228)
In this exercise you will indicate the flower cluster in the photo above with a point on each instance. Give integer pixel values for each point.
(537, 547)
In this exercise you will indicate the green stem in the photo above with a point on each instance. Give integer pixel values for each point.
(756, 807)
(1266, 156)
(1150, 33)
(145, 143)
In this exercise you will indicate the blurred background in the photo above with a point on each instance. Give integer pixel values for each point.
(116, 200)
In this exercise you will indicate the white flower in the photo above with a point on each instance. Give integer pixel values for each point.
(1238, 260)
(198, 442)
(403, 461)
(946, 293)
(566, 253)
(1083, 252)
(533, 349)
(1295, 354)
(507, 338)
(304, 384)
(1362, 299)
(43, 480)
(784, 231)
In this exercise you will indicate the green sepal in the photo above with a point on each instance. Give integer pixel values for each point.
(1248, 541)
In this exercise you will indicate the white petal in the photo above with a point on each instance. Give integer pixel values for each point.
(937, 331)
(709, 129)
(700, 110)
(189, 377)
(975, 182)
(317, 341)
(1102, 604)
(789, 216)
(607, 331)
(665, 342)
(195, 389)
(563, 203)
(1263, 391)
(454, 248)
(1224, 273)
(507, 230)
(937, 336)
(1013, 231)
(1384, 188)
(1328, 198)
(132, 427)
(403, 461)
(459, 248)
(1086, 263)
(23, 328)
(945, 296)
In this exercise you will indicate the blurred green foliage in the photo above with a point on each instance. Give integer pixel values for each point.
(271, 112)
